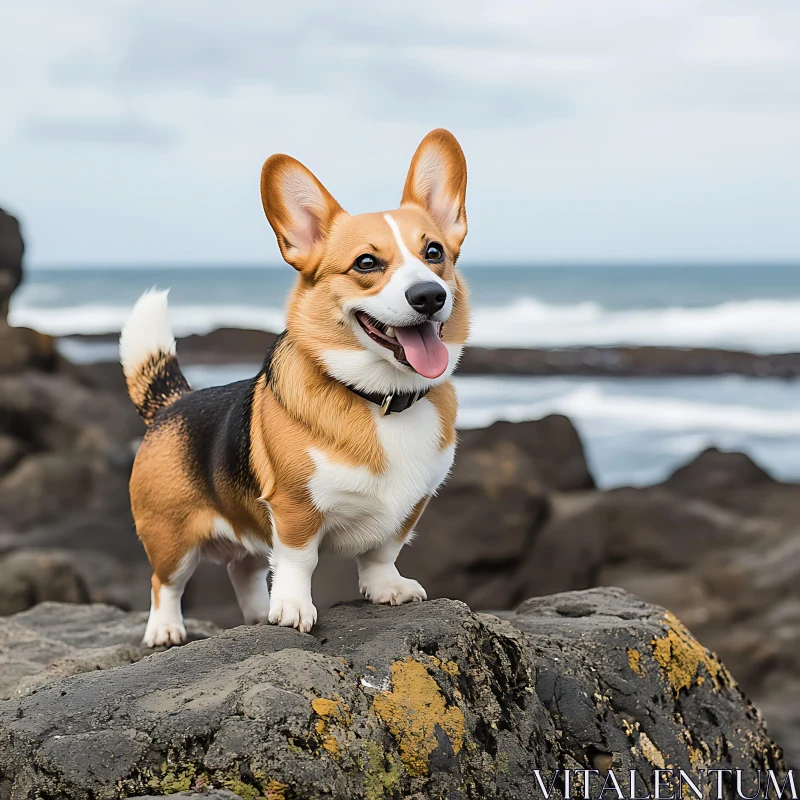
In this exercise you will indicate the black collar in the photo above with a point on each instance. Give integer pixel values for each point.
(390, 403)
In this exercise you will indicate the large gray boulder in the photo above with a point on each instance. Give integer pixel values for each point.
(430, 701)
(716, 543)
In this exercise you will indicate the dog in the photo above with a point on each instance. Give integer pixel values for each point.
(348, 429)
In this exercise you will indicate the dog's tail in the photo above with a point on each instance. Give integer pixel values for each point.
(147, 353)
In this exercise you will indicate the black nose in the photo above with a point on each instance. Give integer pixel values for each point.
(427, 298)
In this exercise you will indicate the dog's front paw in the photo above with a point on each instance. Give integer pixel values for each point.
(394, 592)
(291, 612)
(164, 633)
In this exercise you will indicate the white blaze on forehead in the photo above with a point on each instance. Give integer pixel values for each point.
(426, 273)
(408, 256)
(390, 305)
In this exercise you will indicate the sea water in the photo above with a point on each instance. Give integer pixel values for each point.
(636, 430)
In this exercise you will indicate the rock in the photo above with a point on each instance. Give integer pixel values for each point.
(716, 543)
(12, 248)
(28, 577)
(53, 412)
(54, 640)
(552, 449)
(77, 450)
(387, 702)
(42, 485)
(12, 451)
(240, 346)
(627, 362)
(22, 349)
(714, 473)
(214, 794)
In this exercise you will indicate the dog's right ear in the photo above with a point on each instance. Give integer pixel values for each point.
(300, 210)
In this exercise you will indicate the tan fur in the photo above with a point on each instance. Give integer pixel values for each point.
(445, 400)
(412, 520)
(301, 408)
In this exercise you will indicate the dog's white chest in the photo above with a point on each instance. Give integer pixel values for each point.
(363, 510)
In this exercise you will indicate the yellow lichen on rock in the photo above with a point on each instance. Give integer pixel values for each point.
(413, 710)
(328, 708)
(635, 661)
(331, 711)
(450, 667)
(680, 655)
(650, 751)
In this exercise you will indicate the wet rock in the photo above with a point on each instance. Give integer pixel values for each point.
(388, 702)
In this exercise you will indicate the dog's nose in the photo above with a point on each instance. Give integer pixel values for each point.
(427, 298)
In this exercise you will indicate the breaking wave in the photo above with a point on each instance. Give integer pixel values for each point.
(756, 325)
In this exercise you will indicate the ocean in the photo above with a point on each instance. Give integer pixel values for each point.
(636, 431)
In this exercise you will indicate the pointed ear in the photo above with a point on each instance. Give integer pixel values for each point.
(437, 181)
(300, 210)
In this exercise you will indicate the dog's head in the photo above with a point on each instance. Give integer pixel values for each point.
(379, 303)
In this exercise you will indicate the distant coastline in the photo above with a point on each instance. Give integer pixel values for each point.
(243, 346)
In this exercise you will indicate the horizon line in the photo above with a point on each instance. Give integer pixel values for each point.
(510, 264)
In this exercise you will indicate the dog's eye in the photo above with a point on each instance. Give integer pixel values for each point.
(366, 263)
(434, 253)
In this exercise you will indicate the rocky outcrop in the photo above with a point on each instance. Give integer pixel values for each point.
(377, 702)
(12, 248)
(55, 640)
(213, 794)
(627, 362)
(717, 544)
(66, 447)
(237, 346)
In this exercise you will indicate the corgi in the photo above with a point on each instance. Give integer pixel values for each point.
(348, 429)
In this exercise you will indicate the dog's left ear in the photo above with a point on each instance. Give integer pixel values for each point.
(437, 181)
(300, 210)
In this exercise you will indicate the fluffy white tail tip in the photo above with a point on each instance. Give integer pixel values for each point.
(146, 333)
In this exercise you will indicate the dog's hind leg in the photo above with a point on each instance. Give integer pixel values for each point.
(249, 578)
(165, 624)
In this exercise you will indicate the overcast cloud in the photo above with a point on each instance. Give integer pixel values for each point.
(134, 131)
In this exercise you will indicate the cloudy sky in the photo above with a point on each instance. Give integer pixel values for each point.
(133, 131)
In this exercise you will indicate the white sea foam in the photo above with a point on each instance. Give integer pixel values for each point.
(757, 325)
(637, 431)
(185, 319)
(593, 403)
(760, 325)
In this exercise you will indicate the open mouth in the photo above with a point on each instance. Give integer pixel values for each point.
(417, 346)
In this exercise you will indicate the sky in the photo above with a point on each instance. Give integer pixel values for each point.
(133, 131)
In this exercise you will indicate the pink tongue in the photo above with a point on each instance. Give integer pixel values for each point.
(425, 351)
